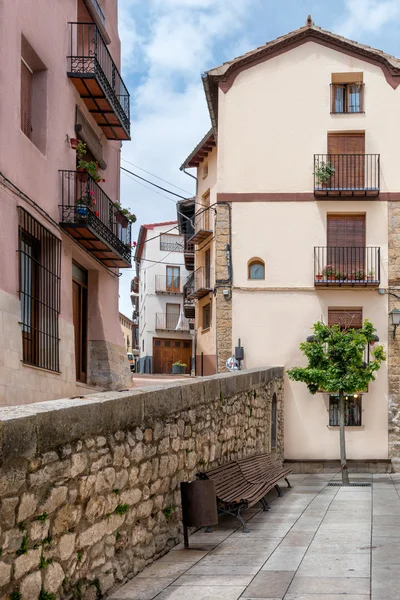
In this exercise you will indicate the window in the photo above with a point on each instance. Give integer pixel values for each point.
(207, 261)
(205, 170)
(347, 93)
(142, 345)
(207, 316)
(171, 243)
(33, 95)
(352, 410)
(173, 279)
(39, 290)
(256, 269)
(273, 421)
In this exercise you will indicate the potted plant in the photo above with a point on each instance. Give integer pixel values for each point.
(86, 202)
(85, 166)
(318, 277)
(339, 276)
(329, 273)
(371, 276)
(124, 215)
(350, 276)
(359, 275)
(324, 172)
(74, 143)
(178, 368)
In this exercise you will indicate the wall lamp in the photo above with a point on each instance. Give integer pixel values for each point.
(395, 316)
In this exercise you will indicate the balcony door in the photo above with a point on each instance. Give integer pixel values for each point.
(173, 279)
(346, 245)
(346, 153)
(172, 315)
(79, 309)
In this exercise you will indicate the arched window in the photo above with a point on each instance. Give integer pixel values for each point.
(256, 269)
(273, 422)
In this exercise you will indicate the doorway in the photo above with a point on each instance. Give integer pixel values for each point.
(346, 153)
(79, 309)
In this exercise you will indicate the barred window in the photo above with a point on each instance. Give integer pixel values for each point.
(39, 290)
(352, 411)
(171, 243)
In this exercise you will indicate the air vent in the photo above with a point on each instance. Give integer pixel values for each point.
(338, 484)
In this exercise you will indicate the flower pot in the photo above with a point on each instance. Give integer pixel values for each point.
(331, 277)
(74, 143)
(178, 369)
(318, 277)
(121, 219)
(81, 210)
(81, 174)
(370, 278)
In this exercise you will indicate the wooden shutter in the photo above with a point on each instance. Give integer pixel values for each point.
(346, 231)
(345, 317)
(26, 99)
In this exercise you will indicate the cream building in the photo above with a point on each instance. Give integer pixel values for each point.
(300, 172)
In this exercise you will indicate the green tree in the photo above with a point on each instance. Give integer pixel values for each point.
(336, 365)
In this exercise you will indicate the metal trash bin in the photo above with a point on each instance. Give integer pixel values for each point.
(199, 505)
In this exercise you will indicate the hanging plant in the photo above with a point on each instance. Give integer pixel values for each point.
(125, 212)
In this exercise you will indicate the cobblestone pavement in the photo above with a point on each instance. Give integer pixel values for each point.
(316, 543)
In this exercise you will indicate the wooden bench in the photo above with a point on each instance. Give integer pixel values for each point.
(239, 486)
(263, 468)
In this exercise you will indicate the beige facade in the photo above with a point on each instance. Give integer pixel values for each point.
(127, 331)
(272, 111)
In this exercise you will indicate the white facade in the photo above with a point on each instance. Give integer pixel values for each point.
(162, 275)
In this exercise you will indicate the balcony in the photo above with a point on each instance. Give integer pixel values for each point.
(169, 322)
(355, 175)
(189, 253)
(188, 302)
(93, 220)
(201, 283)
(346, 267)
(98, 81)
(202, 229)
(168, 284)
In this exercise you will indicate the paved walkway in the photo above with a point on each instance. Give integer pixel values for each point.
(316, 543)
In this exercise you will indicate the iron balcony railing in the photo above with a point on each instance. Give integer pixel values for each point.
(170, 283)
(88, 54)
(84, 202)
(172, 243)
(188, 287)
(202, 282)
(169, 322)
(347, 174)
(334, 265)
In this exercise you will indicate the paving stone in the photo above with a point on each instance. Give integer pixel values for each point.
(330, 585)
(201, 593)
(211, 580)
(335, 565)
(285, 559)
(141, 589)
(276, 582)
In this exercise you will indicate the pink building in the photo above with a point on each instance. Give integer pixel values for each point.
(62, 235)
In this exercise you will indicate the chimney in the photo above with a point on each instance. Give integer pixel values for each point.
(309, 21)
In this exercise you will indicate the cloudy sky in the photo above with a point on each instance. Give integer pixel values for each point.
(168, 44)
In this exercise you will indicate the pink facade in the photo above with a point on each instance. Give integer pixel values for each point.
(36, 36)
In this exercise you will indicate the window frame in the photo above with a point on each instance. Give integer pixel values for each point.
(334, 414)
(346, 86)
(172, 246)
(206, 317)
(255, 262)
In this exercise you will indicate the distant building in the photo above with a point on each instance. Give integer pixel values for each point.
(127, 329)
(164, 332)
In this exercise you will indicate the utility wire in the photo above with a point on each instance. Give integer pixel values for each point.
(156, 176)
(154, 184)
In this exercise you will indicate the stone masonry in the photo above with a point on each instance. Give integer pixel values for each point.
(223, 303)
(89, 488)
(394, 342)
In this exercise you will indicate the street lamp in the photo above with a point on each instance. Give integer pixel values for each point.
(395, 316)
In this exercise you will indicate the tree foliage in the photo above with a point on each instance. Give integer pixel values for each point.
(336, 359)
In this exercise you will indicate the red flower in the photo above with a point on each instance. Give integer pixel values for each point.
(92, 193)
(103, 180)
(96, 213)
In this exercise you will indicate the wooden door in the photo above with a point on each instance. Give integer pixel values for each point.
(346, 244)
(79, 309)
(167, 351)
(346, 153)
(173, 279)
(208, 268)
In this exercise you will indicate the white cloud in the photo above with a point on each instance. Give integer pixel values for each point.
(169, 111)
(368, 16)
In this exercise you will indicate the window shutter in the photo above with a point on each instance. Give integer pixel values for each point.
(26, 99)
(345, 317)
(346, 231)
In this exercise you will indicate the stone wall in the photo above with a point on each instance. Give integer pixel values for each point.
(108, 365)
(394, 342)
(223, 303)
(89, 488)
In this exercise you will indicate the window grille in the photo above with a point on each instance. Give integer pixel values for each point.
(39, 290)
(206, 316)
(172, 243)
(352, 411)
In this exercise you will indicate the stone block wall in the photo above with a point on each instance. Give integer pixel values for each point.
(394, 342)
(223, 303)
(89, 489)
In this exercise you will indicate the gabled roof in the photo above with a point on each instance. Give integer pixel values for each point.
(224, 75)
(200, 152)
(143, 233)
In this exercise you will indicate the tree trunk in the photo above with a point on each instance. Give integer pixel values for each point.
(343, 463)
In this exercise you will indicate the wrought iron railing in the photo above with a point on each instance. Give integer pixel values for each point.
(169, 283)
(202, 220)
(188, 288)
(169, 322)
(347, 173)
(171, 243)
(83, 201)
(88, 54)
(202, 279)
(346, 265)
